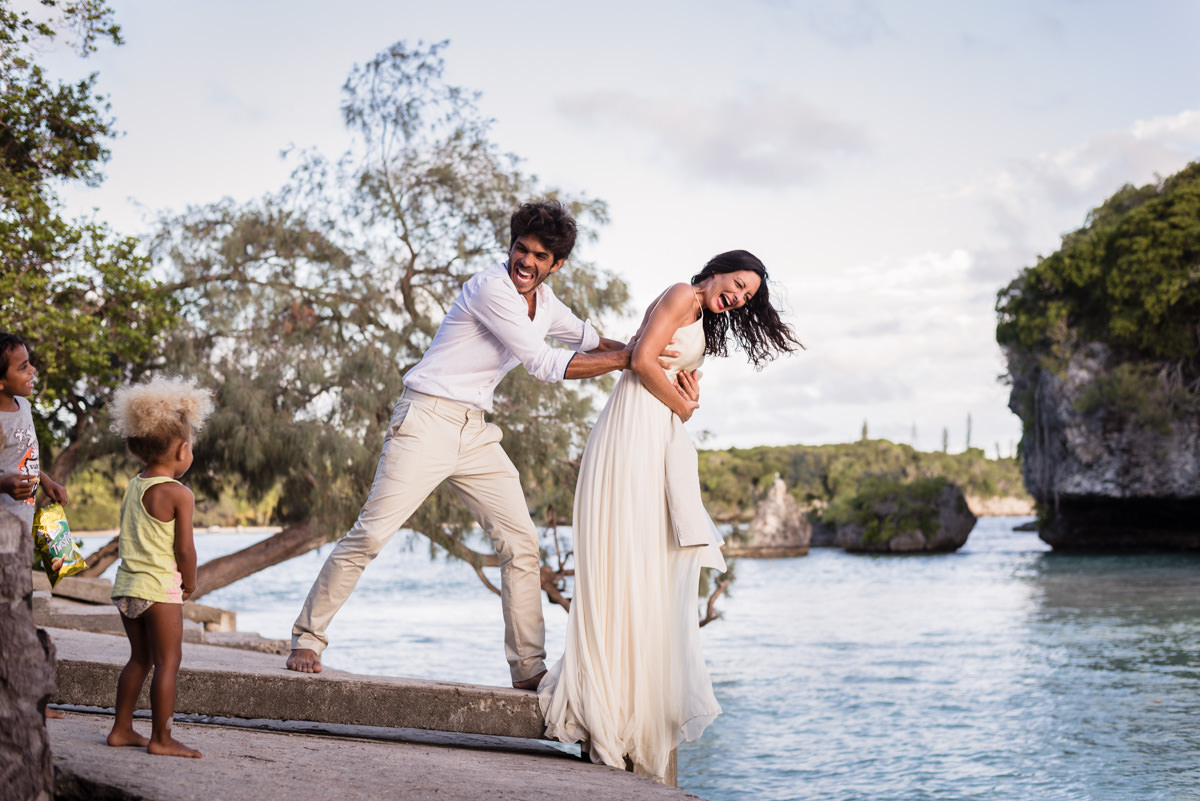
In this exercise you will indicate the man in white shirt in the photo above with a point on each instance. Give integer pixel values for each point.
(437, 433)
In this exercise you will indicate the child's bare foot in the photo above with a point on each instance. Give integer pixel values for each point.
(169, 746)
(304, 660)
(54, 714)
(119, 737)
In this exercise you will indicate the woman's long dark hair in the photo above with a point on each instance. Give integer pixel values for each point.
(756, 327)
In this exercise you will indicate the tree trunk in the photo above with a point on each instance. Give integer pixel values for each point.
(296, 539)
(99, 561)
(74, 454)
(27, 668)
(456, 549)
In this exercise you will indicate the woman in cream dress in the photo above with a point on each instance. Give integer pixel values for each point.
(632, 682)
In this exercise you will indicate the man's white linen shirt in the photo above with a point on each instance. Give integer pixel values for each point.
(487, 332)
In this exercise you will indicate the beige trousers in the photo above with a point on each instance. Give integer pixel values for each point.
(430, 440)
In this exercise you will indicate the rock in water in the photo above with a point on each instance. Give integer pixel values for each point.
(926, 515)
(779, 528)
(27, 665)
(1107, 476)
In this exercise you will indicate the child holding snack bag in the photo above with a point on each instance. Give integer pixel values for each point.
(20, 462)
(157, 572)
(20, 465)
(58, 553)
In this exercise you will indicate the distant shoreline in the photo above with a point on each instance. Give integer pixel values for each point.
(1001, 506)
(112, 532)
(1007, 506)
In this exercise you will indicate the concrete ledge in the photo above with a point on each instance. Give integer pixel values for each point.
(98, 592)
(214, 619)
(61, 613)
(246, 684)
(88, 590)
(249, 640)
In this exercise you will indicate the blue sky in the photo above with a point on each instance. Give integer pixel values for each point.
(893, 164)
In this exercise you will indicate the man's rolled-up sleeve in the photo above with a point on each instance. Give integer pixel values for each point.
(568, 329)
(505, 314)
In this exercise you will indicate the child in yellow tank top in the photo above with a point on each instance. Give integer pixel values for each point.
(157, 572)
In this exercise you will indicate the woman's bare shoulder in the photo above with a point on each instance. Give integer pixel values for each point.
(675, 302)
(678, 300)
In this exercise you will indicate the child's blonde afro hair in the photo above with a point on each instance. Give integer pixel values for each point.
(160, 410)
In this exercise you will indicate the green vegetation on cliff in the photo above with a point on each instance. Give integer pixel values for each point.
(826, 475)
(1129, 279)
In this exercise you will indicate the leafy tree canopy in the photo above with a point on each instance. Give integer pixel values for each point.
(1129, 278)
(823, 475)
(305, 308)
(78, 292)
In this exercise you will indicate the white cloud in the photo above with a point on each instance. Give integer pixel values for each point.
(899, 342)
(758, 138)
(848, 25)
(1031, 202)
(1180, 131)
(1103, 163)
(994, 267)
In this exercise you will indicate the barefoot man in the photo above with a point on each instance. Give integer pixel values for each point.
(437, 433)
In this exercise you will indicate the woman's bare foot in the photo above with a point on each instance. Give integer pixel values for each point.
(169, 746)
(119, 737)
(530, 683)
(304, 660)
(54, 714)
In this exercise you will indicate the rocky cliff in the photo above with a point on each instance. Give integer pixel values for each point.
(1105, 478)
(26, 672)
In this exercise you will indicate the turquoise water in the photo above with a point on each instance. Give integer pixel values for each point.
(999, 672)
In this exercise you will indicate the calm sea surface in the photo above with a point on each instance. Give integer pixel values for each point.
(1000, 672)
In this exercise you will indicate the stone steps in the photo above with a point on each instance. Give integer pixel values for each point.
(85, 604)
(229, 682)
(238, 683)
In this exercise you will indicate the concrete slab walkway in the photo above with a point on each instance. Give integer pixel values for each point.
(459, 753)
(245, 765)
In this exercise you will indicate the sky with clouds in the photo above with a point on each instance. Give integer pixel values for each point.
(894, 164)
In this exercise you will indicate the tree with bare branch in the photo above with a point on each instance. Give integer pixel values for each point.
(304, 309)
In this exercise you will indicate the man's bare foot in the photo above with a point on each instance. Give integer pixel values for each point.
(530, 683)
(304, 660)
(169, 746)
(119, 737)
(54, 714)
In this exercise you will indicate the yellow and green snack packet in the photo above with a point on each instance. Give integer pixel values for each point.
(52, 540)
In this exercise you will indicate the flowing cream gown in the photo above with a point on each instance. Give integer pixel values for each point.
(632, 680)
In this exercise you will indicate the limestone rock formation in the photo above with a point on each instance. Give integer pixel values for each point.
(1104, 480)
(902, 532)
(779, 528)
(26, 672)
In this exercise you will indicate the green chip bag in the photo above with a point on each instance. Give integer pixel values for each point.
(52, 540)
